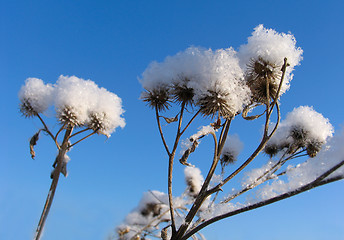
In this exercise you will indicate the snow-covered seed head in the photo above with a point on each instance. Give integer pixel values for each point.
(152, 209)
(227, 158)
(271, 149)
(231, 150)
(26, 109)
(67, 115)
(313, 148)
(194, 181)
(35, 97)
(299, 135)
(260, 73)
(158, 97)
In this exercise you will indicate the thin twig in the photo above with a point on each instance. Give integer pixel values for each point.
(321, 180)
(46, 129)
(89, 135)
(81, 131)
(202, 195)
(160, 130)
(191, 120)
(56, 175)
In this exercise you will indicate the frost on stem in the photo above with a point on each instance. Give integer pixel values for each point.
(303, 128)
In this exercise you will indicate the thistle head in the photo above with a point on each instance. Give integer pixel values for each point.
(181, 93)
(261, 73)
(158, 98)
(215, 103)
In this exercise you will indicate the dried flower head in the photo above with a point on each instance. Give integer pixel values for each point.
(181, 93)
(227, 158)
(157, 98)
(260, 73)
(151, 209)
(313, 148)
(68, 115)
(26, 109)
(215, 103)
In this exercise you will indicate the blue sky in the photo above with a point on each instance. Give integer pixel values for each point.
(112, 42)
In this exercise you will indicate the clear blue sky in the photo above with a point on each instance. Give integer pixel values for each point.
(112, 42)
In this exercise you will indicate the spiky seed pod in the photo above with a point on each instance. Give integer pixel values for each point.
(215, 103)
(157, 98)
(313, 148)
(300, 137)
(151, 208)
(95, 122)
(26, 109)
(67, 115)
(260, 73)
(181, 93)
(192, 188)
(227, 158)
(271, 149)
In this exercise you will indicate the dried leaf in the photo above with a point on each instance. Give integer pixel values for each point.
(246, 111)
(184, 158)
(170, 120)
(33, 142)
(217, 124)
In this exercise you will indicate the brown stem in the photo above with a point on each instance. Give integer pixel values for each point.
(46, 129)
(160, 130)
(321, 180)
(56, 175)
(170, 169)
(81, 131)
(89, 135)
(193, 118)
(203, 194)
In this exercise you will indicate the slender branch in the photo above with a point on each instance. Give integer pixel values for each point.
(170, 169)
(89, 135)
(250, 159)
(46, 129)
(193, 118)
(81, 131)
(160, 130)
(59, 131)
(56, 175)
(203, 194)
(321, 180)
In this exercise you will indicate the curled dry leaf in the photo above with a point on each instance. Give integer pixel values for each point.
(33, 142)
(183, 160)
(170, 120)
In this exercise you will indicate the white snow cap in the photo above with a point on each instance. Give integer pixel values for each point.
(37, 94)
(233, 146)
(194, 179)
(79, 101)
(318, 127)
(206, 70)
(91, 105)
(273, 47)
